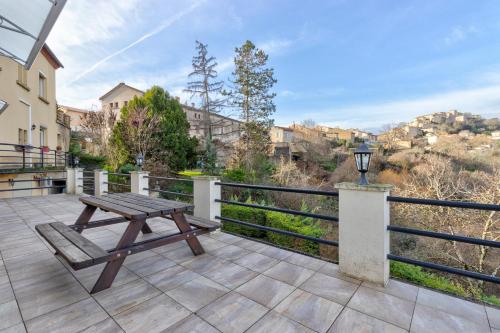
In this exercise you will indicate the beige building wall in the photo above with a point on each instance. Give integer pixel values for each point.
(118, 97)
(43, 108)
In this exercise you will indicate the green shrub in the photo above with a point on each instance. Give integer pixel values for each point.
(492, 299)
(127, 168)
(246, 214)
(296, 224)
(92, 162)
(418, 276)
(235, 175)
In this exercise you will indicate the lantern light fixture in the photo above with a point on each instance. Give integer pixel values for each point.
(362, 156)
(139, 160)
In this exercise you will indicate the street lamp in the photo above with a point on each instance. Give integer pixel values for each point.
(76, 161)
(139, 160)
(362, 155)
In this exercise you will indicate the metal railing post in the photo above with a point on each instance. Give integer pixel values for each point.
(207, 197)
(363, 235)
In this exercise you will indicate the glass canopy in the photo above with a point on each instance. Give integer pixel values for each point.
(24, 26)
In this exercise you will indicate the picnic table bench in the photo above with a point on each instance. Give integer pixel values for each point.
(80, 252)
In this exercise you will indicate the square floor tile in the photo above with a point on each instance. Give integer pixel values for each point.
(331, 288)
(192, 324)
(154, 315)
(256, 262)
(265, 290)
(197, 293)
(289, 273)
(230, 252)
(171, 278)
(105, 326)
(428, 320)
(19, 328)
(396, 288)
(274, 252)
(274, 322)
(312, 311)
(231, 275)
(250, 245)
(9, 314)
(452, 305)
(68, 319)
(385, 307)
(352, 321)
(224, 237)
(305, 261)
(150, 265)
(233, 313)
(493, 316)
(120, 298)
(333, 270)
(203, 263)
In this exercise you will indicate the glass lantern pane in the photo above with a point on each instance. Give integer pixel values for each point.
(357, 157)
(365, 161)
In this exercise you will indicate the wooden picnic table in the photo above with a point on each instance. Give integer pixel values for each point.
(80, 252)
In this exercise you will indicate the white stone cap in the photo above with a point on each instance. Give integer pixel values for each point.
(369, 188)
(205, 178)
(134, 172)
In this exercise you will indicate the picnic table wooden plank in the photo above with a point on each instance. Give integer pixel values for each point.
(145, 202)
(150, 212)
(107, 206)
(166, 207)
(176, 205)
(202, 223)
(79, 241)
(75, 257)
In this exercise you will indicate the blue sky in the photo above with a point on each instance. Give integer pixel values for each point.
(348, 63)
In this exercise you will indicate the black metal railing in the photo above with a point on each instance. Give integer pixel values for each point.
(120, 183)
(88, 182)
(279, 209)
(25, 157)
(445, 236)
(156, 188)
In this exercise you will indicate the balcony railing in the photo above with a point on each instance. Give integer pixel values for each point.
(14, 156)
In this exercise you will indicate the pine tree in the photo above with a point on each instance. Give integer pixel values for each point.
(204, 85)
(252, 81)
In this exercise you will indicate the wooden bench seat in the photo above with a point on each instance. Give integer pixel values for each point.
(77, 250)
(202, 223)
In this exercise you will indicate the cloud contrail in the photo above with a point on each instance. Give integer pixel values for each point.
(165, 24)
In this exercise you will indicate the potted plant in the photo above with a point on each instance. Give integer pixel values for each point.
(59, 149)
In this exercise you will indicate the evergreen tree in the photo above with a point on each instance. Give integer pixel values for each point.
(204, 85)
(170, 147)
(251, 95)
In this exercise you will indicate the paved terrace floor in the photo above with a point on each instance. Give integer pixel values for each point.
(237, 286)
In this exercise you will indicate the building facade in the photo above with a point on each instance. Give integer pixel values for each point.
(31, 116)
(118, 97)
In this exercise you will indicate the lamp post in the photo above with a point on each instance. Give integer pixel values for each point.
(76, 161)
(362, 156)
(139, 161)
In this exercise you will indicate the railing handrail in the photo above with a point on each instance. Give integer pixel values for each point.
(169, 178)
(119, 174)
(280, 189)
(444, 203)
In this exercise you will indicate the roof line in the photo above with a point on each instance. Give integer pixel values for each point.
(121, 84)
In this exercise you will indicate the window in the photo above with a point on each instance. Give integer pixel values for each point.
(42, 86)
(43, 136)
(116, 104)
(23, 136)
(110, 105)
(59, 140)
(22, 76)
(125, 103)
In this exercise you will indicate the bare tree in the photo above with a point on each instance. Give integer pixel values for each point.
(97, 126)
(141, 129)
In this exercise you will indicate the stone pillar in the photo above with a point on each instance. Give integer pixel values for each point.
(363, 234)
(138, 182)
(100, 182)
(70, 180)
(205, 192)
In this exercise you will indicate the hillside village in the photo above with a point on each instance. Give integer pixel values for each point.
(292, 142)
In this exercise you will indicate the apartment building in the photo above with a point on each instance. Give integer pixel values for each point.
(118, 97)
(31, 115)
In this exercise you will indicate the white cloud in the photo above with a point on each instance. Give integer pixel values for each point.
(165, 24)
(459, 33)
